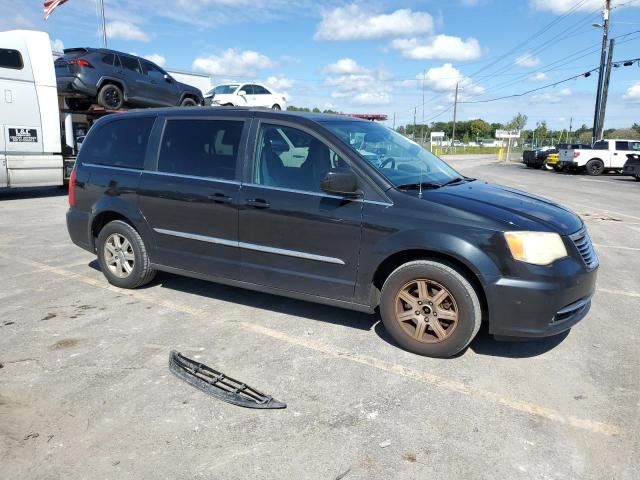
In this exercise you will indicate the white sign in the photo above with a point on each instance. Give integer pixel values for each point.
(437, 134)
(507, 133)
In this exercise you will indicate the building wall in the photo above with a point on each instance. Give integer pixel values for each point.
(203, 82)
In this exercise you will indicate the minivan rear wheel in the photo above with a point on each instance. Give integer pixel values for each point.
(122, 256)
(430, 309)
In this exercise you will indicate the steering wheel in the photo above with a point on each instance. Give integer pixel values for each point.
(387, 160)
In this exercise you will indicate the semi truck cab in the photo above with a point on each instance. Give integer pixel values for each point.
(30, 143)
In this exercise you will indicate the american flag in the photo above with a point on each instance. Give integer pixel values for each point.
(50, 6)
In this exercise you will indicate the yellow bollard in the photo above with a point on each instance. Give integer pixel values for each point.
(500, 154)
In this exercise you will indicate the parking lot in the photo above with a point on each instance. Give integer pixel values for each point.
(85, 391)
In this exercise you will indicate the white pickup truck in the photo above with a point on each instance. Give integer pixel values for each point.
(606, 155)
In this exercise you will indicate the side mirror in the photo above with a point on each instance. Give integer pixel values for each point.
(242, 93)
(168, 78)
(341, 181)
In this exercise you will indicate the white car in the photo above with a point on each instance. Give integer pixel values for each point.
(245, 95)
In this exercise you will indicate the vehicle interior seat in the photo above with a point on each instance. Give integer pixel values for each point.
(316, 166)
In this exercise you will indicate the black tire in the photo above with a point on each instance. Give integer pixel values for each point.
(276, 107)
(141, 273)
(637, 178)
(594, 167)
(462, 292)
(188, 102)
(78, 104)
(538, 167)
(111, 96)
(558, 168)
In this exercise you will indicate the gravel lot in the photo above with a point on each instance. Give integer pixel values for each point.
(85, 391)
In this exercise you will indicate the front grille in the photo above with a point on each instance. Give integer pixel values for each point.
(582, 241)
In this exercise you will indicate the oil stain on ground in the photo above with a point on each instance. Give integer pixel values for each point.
(64, 343)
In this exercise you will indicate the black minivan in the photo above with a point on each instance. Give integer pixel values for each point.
(329, 209)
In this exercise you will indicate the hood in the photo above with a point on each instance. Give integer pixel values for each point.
(518, 210)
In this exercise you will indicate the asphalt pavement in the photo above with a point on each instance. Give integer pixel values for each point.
(85, 391)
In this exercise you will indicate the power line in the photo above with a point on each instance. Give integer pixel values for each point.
(585, 74)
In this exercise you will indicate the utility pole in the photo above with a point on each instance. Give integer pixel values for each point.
(394, 121)
(104, 27)
(455, 112)
(605, 88)
(603, 53)
(569, 139)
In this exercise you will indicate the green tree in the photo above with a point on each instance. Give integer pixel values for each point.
(518, 122)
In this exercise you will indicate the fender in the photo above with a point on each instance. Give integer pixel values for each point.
(462, 248)
(125, 209)
(104, 78)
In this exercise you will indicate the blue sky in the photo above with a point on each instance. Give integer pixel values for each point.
(376, 56)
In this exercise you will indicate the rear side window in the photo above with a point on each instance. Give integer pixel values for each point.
(11, 59)
(601, 146)
(622, 146)
(121, 143)
(201, 148)
(130, 63)
(108, 59)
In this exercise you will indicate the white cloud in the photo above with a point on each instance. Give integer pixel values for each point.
(279, 83)
(345, 66)
(527, 60)
(552, 97)
(126, 31)
(445, 78)
(633, 93)
(356, 84)
(442, 47)
(538, 77)
(564, 6)
(157, 59)
(352, 22)
(57, 45)
(469, 3)
(233, 63)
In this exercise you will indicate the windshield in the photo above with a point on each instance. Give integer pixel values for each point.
(223, 89)
(402, 161)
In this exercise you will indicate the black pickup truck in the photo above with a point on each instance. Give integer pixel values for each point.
(536, 158)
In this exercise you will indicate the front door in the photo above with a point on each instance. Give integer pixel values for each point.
(190, 201)
(292, 235)
(160, 90)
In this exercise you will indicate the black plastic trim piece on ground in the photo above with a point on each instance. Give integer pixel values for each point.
(218, 385)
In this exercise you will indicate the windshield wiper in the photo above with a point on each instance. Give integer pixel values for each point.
(419, 185)
(457, 180)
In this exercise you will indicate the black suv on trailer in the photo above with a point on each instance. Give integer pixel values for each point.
(329, 209)
(113, 79)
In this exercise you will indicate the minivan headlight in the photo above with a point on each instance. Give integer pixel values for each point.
(538, 248)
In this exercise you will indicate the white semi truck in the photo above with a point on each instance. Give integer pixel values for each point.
(30, 142)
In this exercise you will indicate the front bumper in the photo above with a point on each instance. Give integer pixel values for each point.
(554, 300)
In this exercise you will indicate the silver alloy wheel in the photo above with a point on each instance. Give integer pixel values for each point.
(118, 255)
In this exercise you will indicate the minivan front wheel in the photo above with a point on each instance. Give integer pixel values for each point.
(430, 309)
(122, 256)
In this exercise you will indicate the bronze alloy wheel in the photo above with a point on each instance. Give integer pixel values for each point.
(426, 311)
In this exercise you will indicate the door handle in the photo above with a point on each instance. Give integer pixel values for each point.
(219, 198)
(257, 203)
(615, 153)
